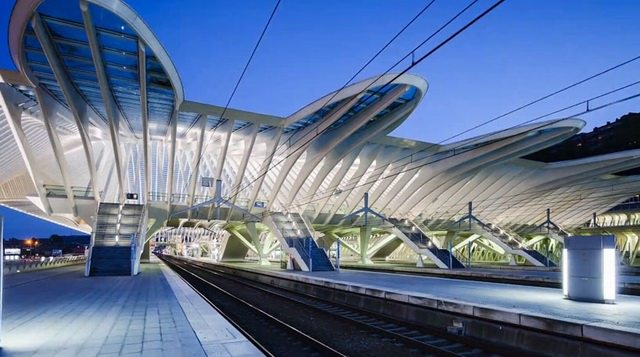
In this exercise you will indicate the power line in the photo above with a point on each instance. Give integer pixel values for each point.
(398, 62)
(253, 52)
(441, 44)
(235, 88)
(483, 144)
(532, 103)
(522, 123)
(564, 89)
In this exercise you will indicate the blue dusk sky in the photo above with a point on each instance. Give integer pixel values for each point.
(523, 50)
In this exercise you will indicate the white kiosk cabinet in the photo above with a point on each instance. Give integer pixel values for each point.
(589, 268)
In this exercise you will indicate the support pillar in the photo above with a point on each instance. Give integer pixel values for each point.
(365, 236)
(255, 239)
(326, 242)
(13, 114)
(146, 252)
(449, 238)
(420, 261)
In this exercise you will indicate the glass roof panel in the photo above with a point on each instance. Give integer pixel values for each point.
(213, 122)
(105, 19)
(240, 124)
(315, 117)
(69, 10)
(39, 66)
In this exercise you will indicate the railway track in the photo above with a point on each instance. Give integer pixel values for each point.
(298, 324)
(271, 335)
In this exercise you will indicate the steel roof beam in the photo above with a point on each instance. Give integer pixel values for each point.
(144, 115)
(272, 145)
(172, 156)
(79, 108)
(14, 119)
(197, 158)
(105, 92)
(248, 148)
(324, 143)
(49, 119)
(230, 113)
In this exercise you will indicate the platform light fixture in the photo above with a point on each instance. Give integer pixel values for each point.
(589, 268)
(609, 273)
(565, 272)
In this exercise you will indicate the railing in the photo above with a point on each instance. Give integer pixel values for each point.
(200, 198)
(92, 242)
(138, 244)
(302, 247)
(157, 196)
(179, 197)
(22, 265)
(60, 191)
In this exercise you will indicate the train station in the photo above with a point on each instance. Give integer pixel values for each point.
(221, 231)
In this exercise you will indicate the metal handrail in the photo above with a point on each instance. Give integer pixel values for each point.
(92, 242)
(139, 244)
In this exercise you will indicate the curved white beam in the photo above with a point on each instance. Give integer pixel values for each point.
(78, 107)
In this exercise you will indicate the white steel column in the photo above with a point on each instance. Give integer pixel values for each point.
(78, 107)
(172, 156)
(49, 119)
(272, 145)
(228, 130)
(105, 93)
(197, 158)
(248, 148)
(300, 141)
(14, 119)
(336, 181)
(144, 111)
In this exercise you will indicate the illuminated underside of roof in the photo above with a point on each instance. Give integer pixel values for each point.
(97, 110)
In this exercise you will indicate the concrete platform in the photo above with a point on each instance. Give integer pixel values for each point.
(59, 312)
(628, 279)
(533, 307)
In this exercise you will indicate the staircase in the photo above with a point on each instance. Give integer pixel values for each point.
(110, 260)
(113, 248)
(297, 239)
(509, 242)
(422, 244)
(541, 258)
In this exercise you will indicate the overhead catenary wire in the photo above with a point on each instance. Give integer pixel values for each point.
(237, 84)
(540, 208)
(529, 104)
(481, 145)
(591, 77)
(582, 102)
(335, 93)
(429, 53)
(420, 13)
(378, 77)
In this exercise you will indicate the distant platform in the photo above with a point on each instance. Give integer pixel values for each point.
(59, 312)
(628, 278)
(531, 307)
